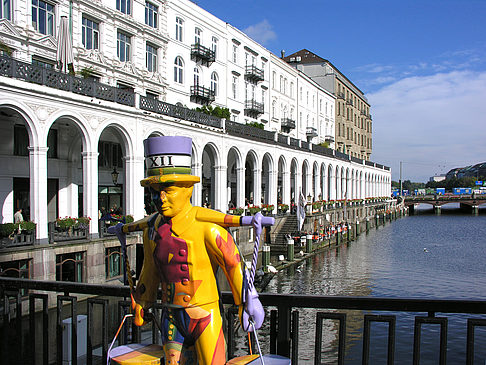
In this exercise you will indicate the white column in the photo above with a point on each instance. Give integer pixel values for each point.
(240, 187)
(220, 191)
(196, 193)
(133, 191)
(272, 189)
(257, 187)
(38, 190)
(90, 189)
(286, 188)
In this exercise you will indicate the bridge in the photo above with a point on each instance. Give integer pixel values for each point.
(471, 202)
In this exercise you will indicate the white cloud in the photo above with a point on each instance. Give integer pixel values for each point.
(432, 123)
(261, 32)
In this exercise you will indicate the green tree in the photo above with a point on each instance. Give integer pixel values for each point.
(215, 112)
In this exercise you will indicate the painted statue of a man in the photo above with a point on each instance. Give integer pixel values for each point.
(183, 247)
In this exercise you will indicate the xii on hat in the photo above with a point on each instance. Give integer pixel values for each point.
(168, 160)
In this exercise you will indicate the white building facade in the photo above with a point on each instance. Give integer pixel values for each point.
(141, 69)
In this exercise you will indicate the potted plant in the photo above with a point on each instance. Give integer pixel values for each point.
(82, 223)
(254, 209)
(65, 224)
(27, 227)
(283, 208)
(7, 229)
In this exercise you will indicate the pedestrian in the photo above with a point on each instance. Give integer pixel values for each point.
(18, 217)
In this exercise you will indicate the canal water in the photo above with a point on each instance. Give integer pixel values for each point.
(422, 256)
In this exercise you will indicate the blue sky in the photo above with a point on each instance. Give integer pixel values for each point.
(421, 64)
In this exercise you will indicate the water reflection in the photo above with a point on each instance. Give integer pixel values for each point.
(423, 256)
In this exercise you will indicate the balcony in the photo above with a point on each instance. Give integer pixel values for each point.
(16, 69)
(253, 108)
(255, 74)
(349, 102)
(202, 95)
(329, 139)
(311, 132)
(202, 54)
(287, 124)
(340, 96)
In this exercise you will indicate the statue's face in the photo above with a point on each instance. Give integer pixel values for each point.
(172, 199)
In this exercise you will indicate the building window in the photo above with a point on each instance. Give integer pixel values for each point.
(234, 87)
(123, 47)
(109, 155)
(43, 17)
(123, 6)
(90, 34)
(151, 12)
(214, 46)
(274, 109)
(214, 83)
(70, 267)
(6, 9)
(16, 269)
(21, 140)
(196, 76)
(274, 79)
(291, 89)
(178, 70)
(178, 29)
(235, 53)
(112, 262)
(197, 36)
(151, 58)
(263, 96)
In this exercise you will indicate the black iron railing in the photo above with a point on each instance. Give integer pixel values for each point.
(202, 95)
(254, 73)
(284, 319)
(11, 67)
(254, 108)
(288, 123)
(203, 54)
(243, 130)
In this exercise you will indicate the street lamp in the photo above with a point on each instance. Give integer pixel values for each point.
(114, 176)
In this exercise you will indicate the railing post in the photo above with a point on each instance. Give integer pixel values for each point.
(283, 335)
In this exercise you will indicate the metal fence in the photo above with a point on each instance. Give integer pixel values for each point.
(284, 328)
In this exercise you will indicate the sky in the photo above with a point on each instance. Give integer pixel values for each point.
(420, 63)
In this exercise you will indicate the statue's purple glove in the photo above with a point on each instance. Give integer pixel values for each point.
(257, 223)
(252, 311)
(118, 231)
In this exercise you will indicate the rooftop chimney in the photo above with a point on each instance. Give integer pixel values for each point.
(282, 52)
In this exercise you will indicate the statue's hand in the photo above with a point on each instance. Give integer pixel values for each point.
(252, 313)
(257, 223)
(137, 312)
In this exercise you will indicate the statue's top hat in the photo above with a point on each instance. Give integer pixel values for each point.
(168, 160)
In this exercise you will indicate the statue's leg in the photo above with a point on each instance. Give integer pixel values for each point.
(208, 334)
(172, 338)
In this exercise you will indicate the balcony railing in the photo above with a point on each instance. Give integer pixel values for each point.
(287, 124)
(340, 96)
(253, 108)
(248, 131)
(11, 67)
(311, 132)
(203, 54)
(175, 111)
(202, 95)
(254, 73)
(349, 102)
(403, 316)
